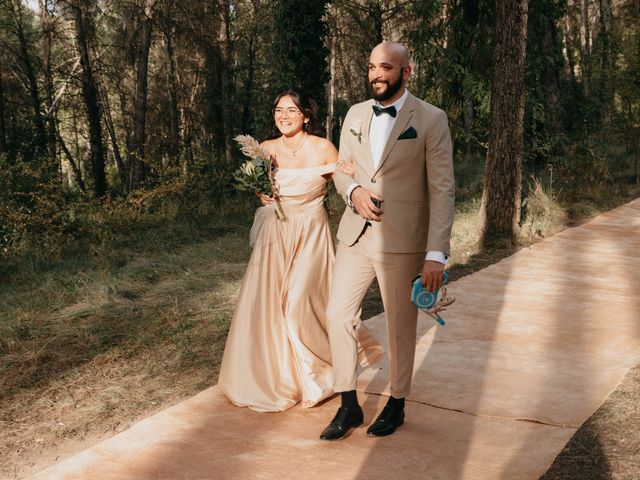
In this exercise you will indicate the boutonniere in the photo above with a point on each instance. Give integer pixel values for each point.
(356, 131)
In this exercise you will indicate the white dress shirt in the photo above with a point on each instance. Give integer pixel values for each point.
(381, 126)
(379, 130)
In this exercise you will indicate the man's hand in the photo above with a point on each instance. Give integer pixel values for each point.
(432, 275)
(361, 199)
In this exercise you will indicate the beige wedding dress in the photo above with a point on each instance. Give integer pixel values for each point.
(277, 352)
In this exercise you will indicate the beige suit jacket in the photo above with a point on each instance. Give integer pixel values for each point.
(414, 178)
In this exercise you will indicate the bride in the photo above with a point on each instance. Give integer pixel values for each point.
(277, 352)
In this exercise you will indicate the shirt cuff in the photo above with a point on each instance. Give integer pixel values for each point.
(350, 190)
(437, 257)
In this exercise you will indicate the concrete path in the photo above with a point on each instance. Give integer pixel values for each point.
(532, 347)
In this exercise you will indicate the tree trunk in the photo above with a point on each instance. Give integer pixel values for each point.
(74, 165)
(469, 120)
(187, 111)
(606, 66)
(47, 26)
(248, 87)
(551, 77)
(586, 48)
(3, 129)
(126, 125)
(586, 27)
(41, 136)
(123, 174)
(172, 90)
(84, 32)
(249, 95)
(503, 176)
(137, 159)
(331, 85)
(567, 38)
(225, 52)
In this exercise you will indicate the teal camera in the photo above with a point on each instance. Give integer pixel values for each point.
(431, 302)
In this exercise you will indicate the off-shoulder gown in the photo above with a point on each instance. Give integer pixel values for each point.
(277, 352)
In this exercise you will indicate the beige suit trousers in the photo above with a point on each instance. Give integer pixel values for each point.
(354, 269)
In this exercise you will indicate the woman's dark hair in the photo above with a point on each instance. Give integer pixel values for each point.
(305, 104)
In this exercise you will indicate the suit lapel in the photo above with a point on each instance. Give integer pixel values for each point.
(405, 114)
(366, 125)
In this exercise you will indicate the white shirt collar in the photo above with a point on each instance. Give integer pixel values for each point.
(398, 103)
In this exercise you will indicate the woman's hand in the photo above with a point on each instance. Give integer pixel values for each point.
(346, 167)
(266, 200)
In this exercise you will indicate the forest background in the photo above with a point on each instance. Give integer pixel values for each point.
(122, 237)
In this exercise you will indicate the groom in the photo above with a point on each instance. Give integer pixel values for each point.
(397, 225)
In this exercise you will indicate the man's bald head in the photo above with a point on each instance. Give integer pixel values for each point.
(394, 50)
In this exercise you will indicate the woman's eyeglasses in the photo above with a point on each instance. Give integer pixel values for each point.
(291, 112)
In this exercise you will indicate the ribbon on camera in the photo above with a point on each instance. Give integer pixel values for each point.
(431, 303)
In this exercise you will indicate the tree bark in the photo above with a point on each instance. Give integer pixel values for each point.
(551, 77)
(249, 85)
(225, 55)
(586, 27)
(41, 136)
(126, 125)
(47, 26)
(187, 111)
(606, 65)
(74, 165)
(3, 128)
(331, 85)
(172, 91)
(137, 159)
(123, 174)
(586, 48)
(469, 120)
(568, 42)
(503, 175)
(84, 33)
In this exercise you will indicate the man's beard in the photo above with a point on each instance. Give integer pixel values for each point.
(392, 89)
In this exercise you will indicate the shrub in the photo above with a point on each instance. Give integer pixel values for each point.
(543, 215)
(33, 213)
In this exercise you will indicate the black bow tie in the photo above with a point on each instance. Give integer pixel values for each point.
(379, 110)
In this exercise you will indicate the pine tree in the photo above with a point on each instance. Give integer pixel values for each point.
(503, 176)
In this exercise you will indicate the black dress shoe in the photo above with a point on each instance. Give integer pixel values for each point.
(345, 419)
(387, 422)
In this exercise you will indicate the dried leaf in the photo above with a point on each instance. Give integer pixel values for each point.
(250, 147)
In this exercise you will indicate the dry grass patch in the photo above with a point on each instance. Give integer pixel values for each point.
(544, 216)
(91, 353)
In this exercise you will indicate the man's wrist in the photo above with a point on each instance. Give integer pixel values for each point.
(350, 190)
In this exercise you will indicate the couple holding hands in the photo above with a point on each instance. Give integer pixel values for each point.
(296, 334)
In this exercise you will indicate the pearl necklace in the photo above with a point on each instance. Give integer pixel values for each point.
(294, 151)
